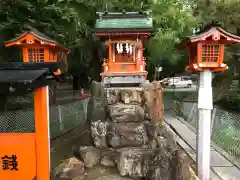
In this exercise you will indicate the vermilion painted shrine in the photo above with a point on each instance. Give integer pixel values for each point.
(130, 126)
(124, 34)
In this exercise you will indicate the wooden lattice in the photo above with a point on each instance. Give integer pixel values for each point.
(210, 52)
(36, 54)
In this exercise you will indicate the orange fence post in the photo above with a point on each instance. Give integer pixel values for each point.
(26, 155)
(17, 156)
(41, 107)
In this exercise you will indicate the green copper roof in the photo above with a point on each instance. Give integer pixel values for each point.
(120, 23)
(123, 20)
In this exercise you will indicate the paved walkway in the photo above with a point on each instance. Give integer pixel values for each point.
(221, 168)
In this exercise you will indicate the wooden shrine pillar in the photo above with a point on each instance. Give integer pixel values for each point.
(41, 108)
(139, 55)
(110, 60)
(113, 53)
(25, 153)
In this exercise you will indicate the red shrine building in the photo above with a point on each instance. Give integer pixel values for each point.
(206, 49)
(38, 48)
(124, 33)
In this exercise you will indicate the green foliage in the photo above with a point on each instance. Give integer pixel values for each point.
(127, 5)
(226, 14)
(67, 21)
(172, 21)
(70, 22)
(231, 101)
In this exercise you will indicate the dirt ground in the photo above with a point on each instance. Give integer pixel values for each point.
(63, 147)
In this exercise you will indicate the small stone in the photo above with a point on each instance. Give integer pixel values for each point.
(113, 95)
(154, 129)
(112, 177)
(160, 167)
(53, 150)
(131, 95)
(70, 169)
(153, 145)
(108, 157)
(90, 155)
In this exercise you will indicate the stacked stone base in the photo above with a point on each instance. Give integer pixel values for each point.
(124, 137)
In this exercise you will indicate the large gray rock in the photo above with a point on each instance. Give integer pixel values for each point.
(98, 103)
(133, 162)
(127, 134)
(126, 113)
(70, 169)
(132, 95)
(99, 133)
(90, 155)
(129, 95)
(153, 100)
(164, 147)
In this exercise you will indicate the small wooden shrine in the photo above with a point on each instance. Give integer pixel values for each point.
(39, 49)
(36, 47)
(206, 49)
(124, 33)
(206, 55)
